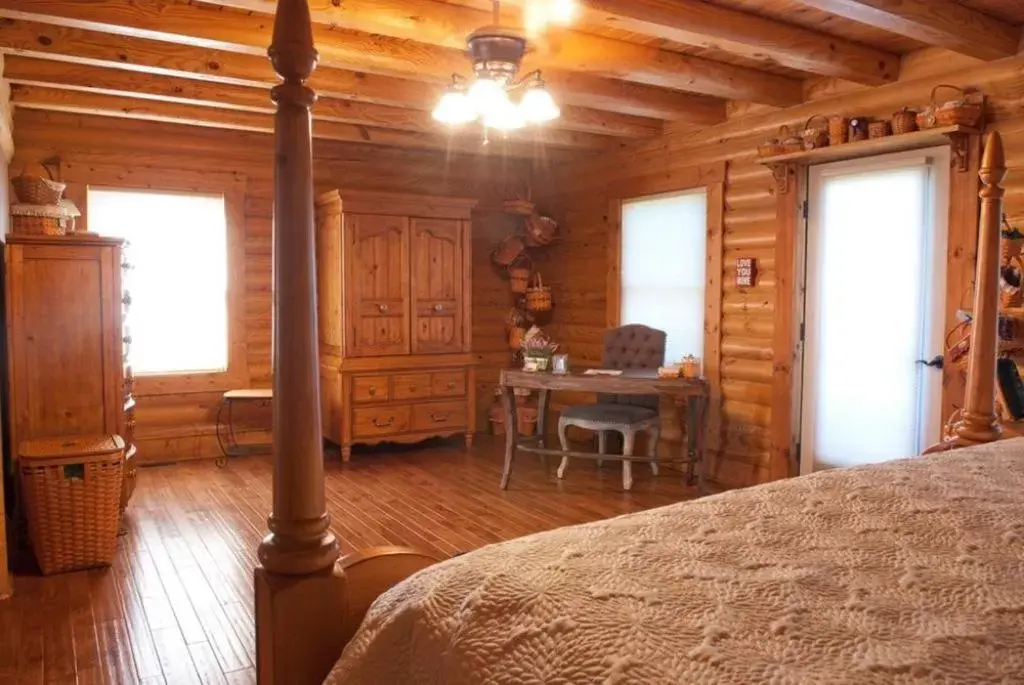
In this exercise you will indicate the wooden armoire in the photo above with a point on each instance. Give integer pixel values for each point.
(393, 286)
(65, 341)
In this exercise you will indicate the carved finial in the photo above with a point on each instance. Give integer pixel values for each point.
(292, 52)
(993, 160)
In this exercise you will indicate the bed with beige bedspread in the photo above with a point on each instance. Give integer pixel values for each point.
(906, 572)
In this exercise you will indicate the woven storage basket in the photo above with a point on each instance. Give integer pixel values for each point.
(904, 121)
(515, 337)
(838, 130)
(36, 190)
(879, 129)
(538, 297)
(540, 230)
(508, 250)
(815, 136)
(38, 225)
(958, 112)
(519, 279)
(72, 492)
(790, 141)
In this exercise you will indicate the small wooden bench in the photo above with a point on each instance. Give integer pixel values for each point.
(229, 445)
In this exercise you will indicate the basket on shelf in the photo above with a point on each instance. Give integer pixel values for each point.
(57, 219)
(879, 129)
(815, 136)
(961, 111)
(508, 251)
(838, 130)
(35, 190)
(519, 278)
(72, 493)
(540, 230)
(538, 296)
(789, 141)
(770, 148)
(904, 121)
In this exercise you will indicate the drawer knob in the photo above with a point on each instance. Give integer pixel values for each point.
(451, 385)
(439, 418)
(412, 388)
(384, 424)
(373, 390)
(382, 308)
(438, 308)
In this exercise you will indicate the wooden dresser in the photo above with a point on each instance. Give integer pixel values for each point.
(65, 341)
(393, 275)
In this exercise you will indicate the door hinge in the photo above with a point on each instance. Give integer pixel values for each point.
(803, 330)
(804, 209)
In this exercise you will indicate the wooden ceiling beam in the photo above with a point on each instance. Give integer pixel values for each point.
(411, 37)
(942, 24)
(75, 44)
(102, 104)
(710, 26)
(50, 73)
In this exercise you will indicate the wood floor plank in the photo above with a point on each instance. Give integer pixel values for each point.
(176, 606)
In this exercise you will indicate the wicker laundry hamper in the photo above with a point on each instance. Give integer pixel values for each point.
(72, 493)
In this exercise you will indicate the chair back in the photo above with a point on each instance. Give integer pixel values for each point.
(634, 346)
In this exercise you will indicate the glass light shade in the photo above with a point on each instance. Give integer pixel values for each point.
(488, 96)
(538, 106)
(504, 118)
(454, 109)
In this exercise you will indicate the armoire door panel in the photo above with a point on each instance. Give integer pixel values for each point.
(377, 300)
(437, 285)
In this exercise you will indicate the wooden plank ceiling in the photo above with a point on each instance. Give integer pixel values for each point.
(620, 72)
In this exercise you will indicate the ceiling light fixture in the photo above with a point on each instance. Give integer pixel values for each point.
(497, 54)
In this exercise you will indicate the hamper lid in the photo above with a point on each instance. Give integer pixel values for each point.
(70, 446)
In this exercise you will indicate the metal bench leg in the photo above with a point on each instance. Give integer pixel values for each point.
(563, 437)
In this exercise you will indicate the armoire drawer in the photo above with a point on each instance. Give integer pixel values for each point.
(411, 386)
(370, 389)
(434, 415)
(448, 384)
(375, 421)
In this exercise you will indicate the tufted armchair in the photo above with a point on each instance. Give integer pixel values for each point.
(628, 347)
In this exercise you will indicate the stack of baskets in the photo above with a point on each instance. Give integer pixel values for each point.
(40, 207)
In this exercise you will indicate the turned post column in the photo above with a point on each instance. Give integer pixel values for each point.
(299, 594)
(300, 540)
(980, 423)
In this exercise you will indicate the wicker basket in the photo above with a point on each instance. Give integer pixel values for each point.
(904, 121)
(879, 129)
(958, 112)
(518, 206)
(519, 279)
(72, 491)
(789, 141)
(838, 130)
(770, 148)
(540, 230)
(538, 297)
(38, 225)
(36, 190)
(508, 251)
(516, 335)
(815, 136)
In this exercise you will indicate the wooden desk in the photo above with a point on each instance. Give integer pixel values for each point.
(688, 393)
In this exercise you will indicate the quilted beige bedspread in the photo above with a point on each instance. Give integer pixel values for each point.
(908, 572)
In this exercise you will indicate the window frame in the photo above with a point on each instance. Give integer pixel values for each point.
(233, 189)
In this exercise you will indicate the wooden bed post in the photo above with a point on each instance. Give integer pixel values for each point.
(979, 422)
(299, 594)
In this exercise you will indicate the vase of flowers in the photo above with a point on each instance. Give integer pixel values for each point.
(537, 350)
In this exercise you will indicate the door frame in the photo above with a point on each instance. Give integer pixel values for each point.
(945, 186)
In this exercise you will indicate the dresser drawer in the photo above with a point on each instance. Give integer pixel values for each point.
(370, 389)
(412, 386)
(434, 415)
(448, 384)
(375, 421)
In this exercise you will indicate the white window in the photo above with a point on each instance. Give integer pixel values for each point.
(177, 245)
(663, 259)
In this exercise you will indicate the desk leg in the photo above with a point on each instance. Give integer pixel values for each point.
(542, 423)
(511, 435)
(697, 440)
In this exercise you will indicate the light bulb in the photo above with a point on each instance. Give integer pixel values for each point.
(487, 95)
(504, 118)
(538, 106)
(562, 11)
(454, 108)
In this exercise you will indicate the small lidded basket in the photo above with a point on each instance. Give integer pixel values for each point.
(878, 129)
(904, 121)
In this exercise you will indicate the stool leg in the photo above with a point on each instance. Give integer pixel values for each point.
(652, 450)
(628, 437)
(563, 437)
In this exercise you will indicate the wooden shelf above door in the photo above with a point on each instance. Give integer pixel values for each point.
(876, 146)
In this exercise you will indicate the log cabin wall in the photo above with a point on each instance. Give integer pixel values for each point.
(108, 151)
(749, 370)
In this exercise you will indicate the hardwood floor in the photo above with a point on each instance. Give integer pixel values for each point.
(176, 607)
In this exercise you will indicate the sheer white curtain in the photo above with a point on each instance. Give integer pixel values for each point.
(664, 258)
(178, 317)
(873, 247)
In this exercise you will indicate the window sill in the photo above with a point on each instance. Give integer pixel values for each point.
(186, 383)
